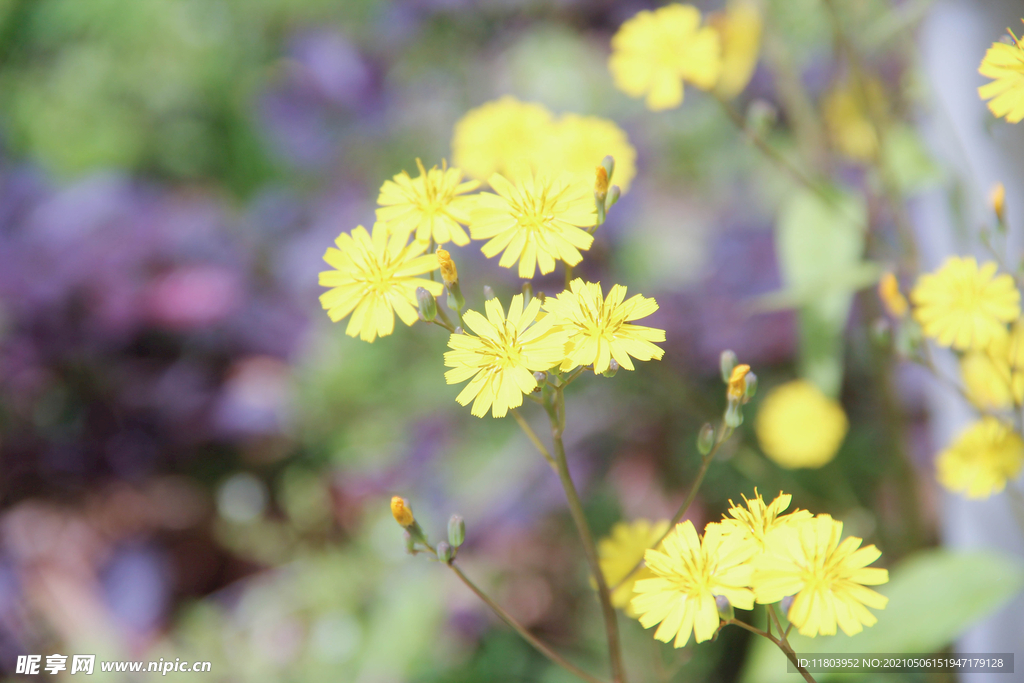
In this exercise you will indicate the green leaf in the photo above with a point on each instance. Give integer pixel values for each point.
(912, 168)
(818, 238)
(934, 596)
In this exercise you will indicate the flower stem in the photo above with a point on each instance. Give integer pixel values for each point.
(532, 435)
(539, 645)
(556, 412)
(781, 644)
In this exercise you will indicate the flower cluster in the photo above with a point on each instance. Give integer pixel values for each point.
(655, 52)
(758, 554)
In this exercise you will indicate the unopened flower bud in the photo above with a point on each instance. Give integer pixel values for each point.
(725, 610)
(881, 332)
(761, 117)
(444, 552)
(540, 376)
(997, 200)
(613, 197)
(401, 512)
(613, 367)
(737, 384)
(892, 299)
(706, 439)
(488, 293)
(427, 303)
(601, 183)
(733, 414)
(786, 603)
(449, 273)
(608, 164)
(908, 338)
(751, 381)
(456, 530)
(727, 361)
(459, 330)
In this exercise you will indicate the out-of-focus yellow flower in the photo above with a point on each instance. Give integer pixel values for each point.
(1005, 94)
(739, 27)
(799, 426)
(892, 298)
(449, 273)
(997, 200)
(829, 579)
(654, 52)
(500, 135)
(982, 459)
(501, 355)
(847, 117)
(579, 143)
(736, 387)
(986, 380)
(431, 205)
(535, 219)
(600, 328)
(621, 551)
(964, 306)
(688, 573)
(374, 277)
(401, 512)
(753, 523)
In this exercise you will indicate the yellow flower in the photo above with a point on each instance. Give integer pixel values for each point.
(798, 426)
(754, 522)
(688, 573)
(621, 551)
(600, 328)
(449, 273)
(740, 30)
(892, 299)
(498, 136)
(535, 220)
(654, 52)
(1005, 64)
(828, 578)
(429, 205)
(997, 200)
(374, 278)
(401, 512)
(964, 306)
(737, 384)
(502, 355)
(984, 457)
(986, 380)
(846, 111)
(579, 143)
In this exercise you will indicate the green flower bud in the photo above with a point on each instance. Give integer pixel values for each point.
(613, 367)
(751, 380)
(488, 293)
(727, 361)
(706, 439)
(733, 414)
(725, 610)
(609, 166)
(456, 301)
(459, 330)
(456, 530)
(444, 552)
(427, 303)
(613, 197)
(881, 332)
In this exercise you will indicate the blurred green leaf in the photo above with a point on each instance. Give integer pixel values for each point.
(905, 155)
(816, 240)
(934, 596)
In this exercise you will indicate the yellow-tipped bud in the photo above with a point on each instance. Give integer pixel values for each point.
(738, 382)
(892, 299)
(449, 273)
(997, 200)
(601, 183)
(401, 512)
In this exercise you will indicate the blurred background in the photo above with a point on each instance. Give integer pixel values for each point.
(195, 463)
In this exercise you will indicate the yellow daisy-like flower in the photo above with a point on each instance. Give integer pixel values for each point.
(502, 355)
(621, 551)
(654, 52)
(535, 219)
(799, 426)
(827, 577)
(754, 522)
(499, 136)
(984, 457)
(1005, 94)
(374, 277)
(986, 380)
(579, 144)
(600, 328)
(689, 572)
(964, 306)
(431, 205)
(740, 30)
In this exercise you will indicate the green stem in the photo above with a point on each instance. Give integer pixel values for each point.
(532, 435)
(522, 631)
(556, 412)
(781, 644)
